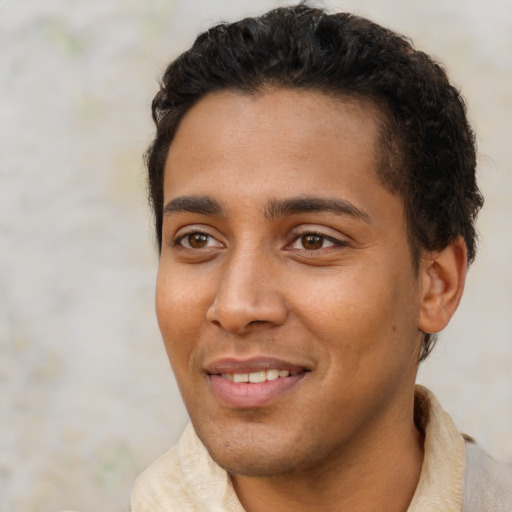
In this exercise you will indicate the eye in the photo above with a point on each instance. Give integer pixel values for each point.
(314, 242)
(196, 240)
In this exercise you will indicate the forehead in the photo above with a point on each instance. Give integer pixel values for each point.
(277, 135)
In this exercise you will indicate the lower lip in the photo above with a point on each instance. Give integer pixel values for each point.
(245, 395)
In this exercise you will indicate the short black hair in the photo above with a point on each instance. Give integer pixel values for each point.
(427, 145)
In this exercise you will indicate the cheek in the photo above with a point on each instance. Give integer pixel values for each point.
(178, 314)
(358, 312)
(343, 306)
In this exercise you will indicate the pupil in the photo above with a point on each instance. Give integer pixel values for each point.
(197, 240)
(312, 241)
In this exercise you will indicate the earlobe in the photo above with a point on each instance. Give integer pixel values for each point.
(442, 274)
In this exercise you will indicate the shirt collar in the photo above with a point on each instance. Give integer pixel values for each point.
(442, 474)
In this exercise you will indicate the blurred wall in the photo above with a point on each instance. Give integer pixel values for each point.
(87, 399)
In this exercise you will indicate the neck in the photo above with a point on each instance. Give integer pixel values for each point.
(380, 472)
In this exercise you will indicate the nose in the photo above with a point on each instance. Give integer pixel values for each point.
(248, 295)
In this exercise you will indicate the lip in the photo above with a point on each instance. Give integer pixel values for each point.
(253, 364)
(243, 395)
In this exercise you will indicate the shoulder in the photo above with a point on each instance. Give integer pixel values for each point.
(487, 482)
(184, 479)
(165, 484)
(162, 479)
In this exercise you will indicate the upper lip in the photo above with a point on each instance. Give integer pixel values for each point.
(253, 364)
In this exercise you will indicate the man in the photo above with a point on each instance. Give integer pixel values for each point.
(313, 184)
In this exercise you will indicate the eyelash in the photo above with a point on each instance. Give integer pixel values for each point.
(336, 242)
(178, 241)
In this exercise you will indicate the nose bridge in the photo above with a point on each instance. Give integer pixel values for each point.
(247, 292)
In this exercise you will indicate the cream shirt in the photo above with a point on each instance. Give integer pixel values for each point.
(186, 479)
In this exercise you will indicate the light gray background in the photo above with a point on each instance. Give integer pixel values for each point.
(87, 399)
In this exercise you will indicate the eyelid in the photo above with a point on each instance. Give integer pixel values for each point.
(191, 230)
(332, 241)
(338, 240)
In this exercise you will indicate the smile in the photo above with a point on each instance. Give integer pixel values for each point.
(257, 377)
(256, 382)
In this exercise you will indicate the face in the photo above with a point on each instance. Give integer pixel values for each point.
(286, 294)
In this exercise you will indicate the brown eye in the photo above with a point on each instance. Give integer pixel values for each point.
(197, 240)
(312, 242)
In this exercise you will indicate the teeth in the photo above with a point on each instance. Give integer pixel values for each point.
(272, 374)
(256, 377)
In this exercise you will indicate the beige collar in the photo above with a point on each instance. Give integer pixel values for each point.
(442, 474)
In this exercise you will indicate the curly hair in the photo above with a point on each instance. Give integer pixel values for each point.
(427, 149)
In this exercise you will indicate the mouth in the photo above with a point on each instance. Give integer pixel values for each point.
(259, 376)
(253, 383)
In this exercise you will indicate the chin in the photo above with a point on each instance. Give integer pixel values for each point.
(253, 464)
(252, 452)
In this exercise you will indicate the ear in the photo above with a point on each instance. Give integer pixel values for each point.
(443, 274)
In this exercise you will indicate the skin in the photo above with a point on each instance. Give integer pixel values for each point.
(333, 293)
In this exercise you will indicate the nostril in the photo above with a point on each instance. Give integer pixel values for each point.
(258, 322)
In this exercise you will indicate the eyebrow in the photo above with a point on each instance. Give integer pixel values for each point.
(204, 205)
(307, 204)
